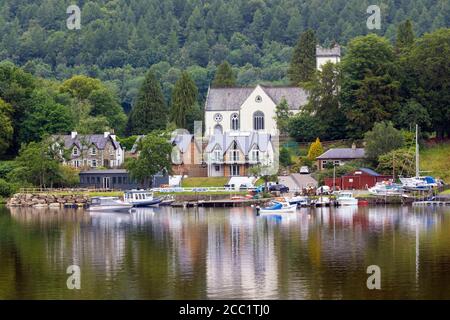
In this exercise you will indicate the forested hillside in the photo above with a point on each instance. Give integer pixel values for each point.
(119, 40)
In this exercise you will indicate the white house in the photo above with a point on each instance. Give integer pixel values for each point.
(233, 153)
(248, 109)
(324, 55)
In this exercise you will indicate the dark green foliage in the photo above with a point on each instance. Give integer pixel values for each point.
(184, 99)
(282, 116)
(382, 139)
(369, 91)
(304, 127)
(405, 36)
(303, 61)
(224, 76)
(150, 111)
(285, 157)
(428, 62)
(154, 157)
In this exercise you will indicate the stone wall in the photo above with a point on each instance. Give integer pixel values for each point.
(42, 200)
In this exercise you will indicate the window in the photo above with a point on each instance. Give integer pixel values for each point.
(93, 163)
(254, 155)
(234, 153)
(258, 99)
(258, 120)
(93, 151)
(217, 168)
(114, 180)
(119, 180)
(75, 151)
(235, 121)
(98, 180)
(218, 117)
(234, 170)
(217, 155)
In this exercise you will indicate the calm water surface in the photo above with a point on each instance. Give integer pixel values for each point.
(166, 253)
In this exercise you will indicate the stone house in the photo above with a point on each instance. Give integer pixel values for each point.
(92, 150)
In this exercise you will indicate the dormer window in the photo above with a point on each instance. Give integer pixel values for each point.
(75, 151)
(93, 151)
(254, 156)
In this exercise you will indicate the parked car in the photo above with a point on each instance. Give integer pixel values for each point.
(304, 170)
(279, 187)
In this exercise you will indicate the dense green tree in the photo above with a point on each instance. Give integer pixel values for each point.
(303, 61)
(382, 139)
(369, 91)
(154, 157)
(304, 127)
(285, 157)
(430, 67)
(6, 127)
(405, 36)
(282, 116)
(149, 111)
(184, 98)
(224, 76)
(323, 102)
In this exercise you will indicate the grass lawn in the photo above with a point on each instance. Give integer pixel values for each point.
(446, 192)
(436, 160)
(204, 182)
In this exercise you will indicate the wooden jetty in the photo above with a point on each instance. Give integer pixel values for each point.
(429, 203)
(219, 203)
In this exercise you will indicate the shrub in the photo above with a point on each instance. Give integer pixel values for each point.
(7, 189)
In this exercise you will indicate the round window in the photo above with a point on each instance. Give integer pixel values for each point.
(218, 117)
(258, 99)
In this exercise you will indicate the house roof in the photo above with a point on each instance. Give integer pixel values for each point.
(244, 141)
(328, 52)
(343, 153)
(231, 99)
(182, 141)
(84, 141)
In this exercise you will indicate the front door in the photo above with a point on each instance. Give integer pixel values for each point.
(106, 183)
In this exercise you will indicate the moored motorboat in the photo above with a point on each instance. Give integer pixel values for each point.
(141, 198)
(298, 200)
(167, 200)
(386, 188)
(346, 199)
(278, 207)
(108, 204)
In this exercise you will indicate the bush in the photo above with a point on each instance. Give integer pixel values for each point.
(7, 189)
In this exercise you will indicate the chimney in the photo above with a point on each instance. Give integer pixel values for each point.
(353, 146)
(73, 134)
(106, 134)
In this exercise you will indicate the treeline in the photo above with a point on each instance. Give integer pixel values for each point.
(120, 40)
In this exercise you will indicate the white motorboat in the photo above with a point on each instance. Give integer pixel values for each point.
(298, 200)
(278, 207)
(386, 188)
(346, 199)
(141, 198)
(108, 204)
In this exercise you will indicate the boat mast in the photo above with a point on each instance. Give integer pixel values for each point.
(417, 151)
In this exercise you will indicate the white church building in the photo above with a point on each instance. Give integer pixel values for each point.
(240, 122)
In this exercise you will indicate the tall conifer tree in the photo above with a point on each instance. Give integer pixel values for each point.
(303, 62)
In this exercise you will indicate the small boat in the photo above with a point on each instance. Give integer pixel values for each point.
(322, 202)
(167, 201)
(386, 188)
(346, 199)
(108, 204)
(141, 198)
(298, 200)
(279, 207)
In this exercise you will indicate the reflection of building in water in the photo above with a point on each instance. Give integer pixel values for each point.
(241, 253)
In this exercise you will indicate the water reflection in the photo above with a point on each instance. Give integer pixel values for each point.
(155, 253)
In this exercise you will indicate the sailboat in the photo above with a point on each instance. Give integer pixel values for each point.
(418, 183)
